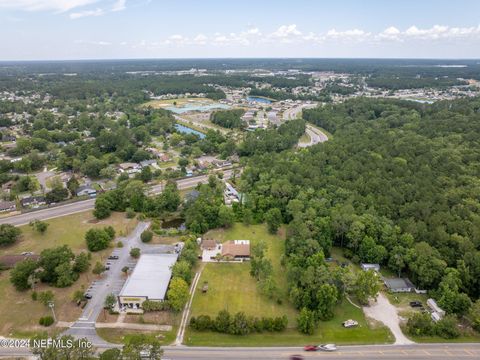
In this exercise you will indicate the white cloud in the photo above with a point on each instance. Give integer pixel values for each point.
(347, 35)
(45, 5)
(200, 39)
(286, 31)
(86, 13)
(119, 5)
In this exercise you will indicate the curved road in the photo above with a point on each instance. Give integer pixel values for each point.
(316, 136)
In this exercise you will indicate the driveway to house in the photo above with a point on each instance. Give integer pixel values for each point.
(386, 313)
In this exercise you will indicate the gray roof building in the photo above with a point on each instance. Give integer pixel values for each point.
(150, 278)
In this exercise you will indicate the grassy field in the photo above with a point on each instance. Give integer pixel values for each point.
(118, 336)
(158, 104)
(18, 312)
(231, 287)
(327, 331)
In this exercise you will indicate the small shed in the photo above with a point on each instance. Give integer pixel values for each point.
(374, 267)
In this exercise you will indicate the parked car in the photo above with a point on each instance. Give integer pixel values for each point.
(113, 257)
(88, 296)
(350, 323)
(310, 348)
(327, 347)
(416, 304)
(296, 357)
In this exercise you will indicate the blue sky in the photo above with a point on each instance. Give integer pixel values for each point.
(103, 29)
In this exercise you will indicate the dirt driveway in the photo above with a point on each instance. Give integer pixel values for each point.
(386, 313)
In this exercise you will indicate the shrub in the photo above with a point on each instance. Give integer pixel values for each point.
(146, 236)
(130, 213)
(420, 324)
(120, 244)
(135, 253)
(34, 296)
(46, 321)
(447, 327)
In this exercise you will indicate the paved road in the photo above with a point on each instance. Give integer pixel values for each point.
(89, 204)
(410, 352)
(112, 282)
(390, 352)
(316, 136)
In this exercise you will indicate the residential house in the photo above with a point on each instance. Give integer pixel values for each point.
(147, 163)
(236, 249)
(33, 201)
(398, 285)
(129, 167)
(86, 190)
(6, 206)
(208, 244)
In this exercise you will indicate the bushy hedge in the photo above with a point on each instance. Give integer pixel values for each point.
(46, 321)
(238, 324)
(149, 306)
(421, 324)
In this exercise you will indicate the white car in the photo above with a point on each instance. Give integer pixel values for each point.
(327, 347)
(350, 323)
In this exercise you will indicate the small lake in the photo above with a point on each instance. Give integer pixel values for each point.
(259, 100)
(186, 130)
(177, 223)
(196, 107)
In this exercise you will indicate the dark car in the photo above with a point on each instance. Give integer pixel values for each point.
(107, 267)
(87, 296)
(416, 304)
(113, 257)
(296, 357)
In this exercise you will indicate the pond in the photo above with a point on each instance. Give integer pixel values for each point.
(259, 100)
(176, 223)
(186, 130)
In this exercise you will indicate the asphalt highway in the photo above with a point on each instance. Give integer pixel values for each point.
(85, 205)
(390, 352)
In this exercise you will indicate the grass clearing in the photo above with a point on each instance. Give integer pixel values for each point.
(118, 336)
(231, 287)
(327, 331)
(158, 104)
(18, 312)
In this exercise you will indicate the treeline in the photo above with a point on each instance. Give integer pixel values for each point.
(285, 95)
(396, 185)
(230, 119)
(272, 140)
(395, 82)
(238, 324)
(131, 194)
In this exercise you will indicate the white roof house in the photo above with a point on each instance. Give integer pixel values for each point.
(151, 277)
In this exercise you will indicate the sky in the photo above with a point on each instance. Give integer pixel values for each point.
(125, 29)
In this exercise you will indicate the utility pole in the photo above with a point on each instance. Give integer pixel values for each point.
(51, 305)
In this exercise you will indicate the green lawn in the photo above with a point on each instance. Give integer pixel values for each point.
(327, 331)
(118, 336)
(18, 312)
(231, 287)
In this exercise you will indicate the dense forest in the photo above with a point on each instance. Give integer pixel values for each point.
(396, 185)
(230, 119)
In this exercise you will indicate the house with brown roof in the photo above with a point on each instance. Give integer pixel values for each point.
(236, 249)
(8, 206)
(208, 244)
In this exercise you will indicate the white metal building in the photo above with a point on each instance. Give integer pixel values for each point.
(148, 281)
